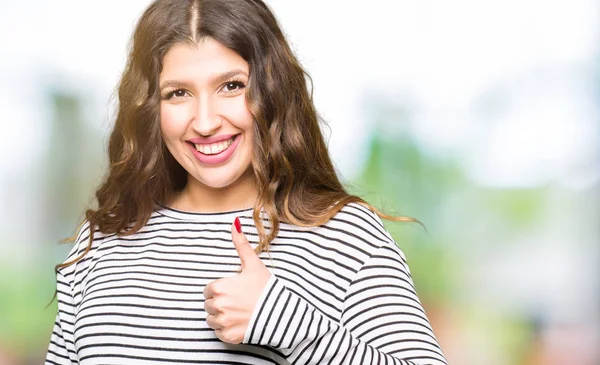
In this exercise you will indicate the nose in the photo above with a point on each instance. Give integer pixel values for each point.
(206, 120)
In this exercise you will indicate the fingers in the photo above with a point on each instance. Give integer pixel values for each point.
(233, 335)
(215, 288)
(223, 312)
(214, 313)
(213, 322)
(208, 291)
(225, 329)
(209, 306)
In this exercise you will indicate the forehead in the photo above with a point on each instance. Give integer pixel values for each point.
(208, 57)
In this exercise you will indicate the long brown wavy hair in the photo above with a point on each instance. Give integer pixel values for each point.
(295, 176)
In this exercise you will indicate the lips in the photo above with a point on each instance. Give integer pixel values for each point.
(215, 148)
(215, 152)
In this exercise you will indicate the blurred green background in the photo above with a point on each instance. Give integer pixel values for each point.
(481, 119)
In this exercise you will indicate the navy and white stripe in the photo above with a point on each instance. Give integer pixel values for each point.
(340, 293)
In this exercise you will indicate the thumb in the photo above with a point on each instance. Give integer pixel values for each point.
(246, 253)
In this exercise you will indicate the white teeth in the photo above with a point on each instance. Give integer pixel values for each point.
(213, 149)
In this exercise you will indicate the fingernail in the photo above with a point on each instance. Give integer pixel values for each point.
(238, 225)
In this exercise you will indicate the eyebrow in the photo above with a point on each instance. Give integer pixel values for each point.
(215, 80)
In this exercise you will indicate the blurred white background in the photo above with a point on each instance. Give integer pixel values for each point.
(489, 111)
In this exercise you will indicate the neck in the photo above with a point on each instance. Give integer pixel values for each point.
(197, 197)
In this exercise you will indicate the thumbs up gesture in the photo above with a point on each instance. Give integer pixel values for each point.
(230, 302)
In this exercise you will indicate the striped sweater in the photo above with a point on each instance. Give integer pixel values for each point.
(339, 293)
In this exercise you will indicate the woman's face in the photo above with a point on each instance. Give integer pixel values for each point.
(205, 121)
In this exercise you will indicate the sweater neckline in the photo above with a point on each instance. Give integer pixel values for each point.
(228, 215)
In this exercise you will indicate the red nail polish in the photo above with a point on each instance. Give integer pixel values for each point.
(238, 225)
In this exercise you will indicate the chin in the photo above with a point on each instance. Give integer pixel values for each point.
(218, 182)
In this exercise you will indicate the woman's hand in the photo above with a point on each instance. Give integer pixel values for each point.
(230, 302)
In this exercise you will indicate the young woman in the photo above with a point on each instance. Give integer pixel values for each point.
(222, 233)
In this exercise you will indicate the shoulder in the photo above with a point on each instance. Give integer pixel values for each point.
(359, 215)
(369, 237)
(79, 251)
(361, 231)
(363, 222)
(344, 243)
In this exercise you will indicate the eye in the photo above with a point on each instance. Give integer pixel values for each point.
(177, 93)
(233, 86)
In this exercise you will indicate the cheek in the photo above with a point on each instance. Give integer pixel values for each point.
(173, 120)
(236, 110)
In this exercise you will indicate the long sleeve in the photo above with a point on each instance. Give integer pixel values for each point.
(61, 350)
(383, 321)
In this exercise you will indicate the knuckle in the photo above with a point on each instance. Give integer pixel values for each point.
(207, 289)
(226, 337)
(217, 305)
(223, 320)
(208, 307)
(210, 321)
(215, 287)
(230, 336)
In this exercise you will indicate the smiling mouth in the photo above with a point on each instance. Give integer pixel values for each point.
(214, 148)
